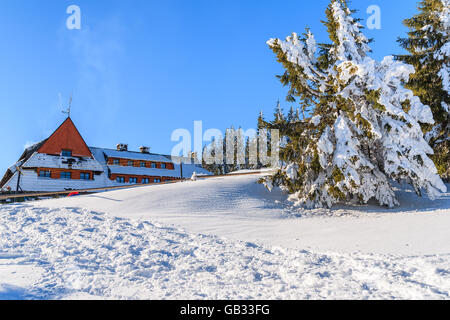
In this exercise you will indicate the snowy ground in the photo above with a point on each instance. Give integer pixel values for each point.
(222, 238)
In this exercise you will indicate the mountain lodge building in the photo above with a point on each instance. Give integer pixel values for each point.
(65, 162)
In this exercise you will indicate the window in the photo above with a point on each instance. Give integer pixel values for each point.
(116, 162)
(153, 165)
(163, 165)
(85, 176)
(66, 175)
(130, 163)
(133, 180)
(145, 180)
(143, 164)
(120, 179)
(157, 180)
(66, 153)
(44, 174)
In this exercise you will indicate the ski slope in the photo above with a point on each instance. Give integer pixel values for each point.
(222, 238)
(237, 207)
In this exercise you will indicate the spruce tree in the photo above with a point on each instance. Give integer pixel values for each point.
(297, 115)
(261, 132)
(247, 154)
(291, 115)
(363, 130)
(428, 46)
(209, 157)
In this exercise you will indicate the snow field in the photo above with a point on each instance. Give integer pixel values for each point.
(88, 254)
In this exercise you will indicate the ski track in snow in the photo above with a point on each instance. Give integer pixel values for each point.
(87, 254)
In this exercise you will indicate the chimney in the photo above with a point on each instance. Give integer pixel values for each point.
(122, 147)
(144, 149)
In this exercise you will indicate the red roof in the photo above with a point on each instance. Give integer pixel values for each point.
(66, 137)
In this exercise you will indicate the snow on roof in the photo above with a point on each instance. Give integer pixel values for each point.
(13, 168)
(178, 159)
(189, 169)
(33, 146)
(132, 155)
(40, 160)
(144, 171)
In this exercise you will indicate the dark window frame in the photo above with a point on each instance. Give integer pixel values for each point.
(120, 179)
(45, 174)
(85, 176)
(66, 153)
(132, 180)
(65, 175)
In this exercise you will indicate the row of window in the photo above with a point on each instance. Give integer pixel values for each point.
(87, 176)
(135, 180)
(64, 175)
(130, 163)
(44, 174)
(142, 164)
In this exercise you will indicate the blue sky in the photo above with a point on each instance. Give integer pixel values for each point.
(140, 69)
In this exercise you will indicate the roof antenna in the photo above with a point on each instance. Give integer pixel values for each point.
(70, 105)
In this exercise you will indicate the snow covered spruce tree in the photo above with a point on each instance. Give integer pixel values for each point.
(428, 46)
(364, 127)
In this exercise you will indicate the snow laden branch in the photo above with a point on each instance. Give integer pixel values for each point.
(365, 131)
(428, 50)
(443, 54)
(299, 54)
